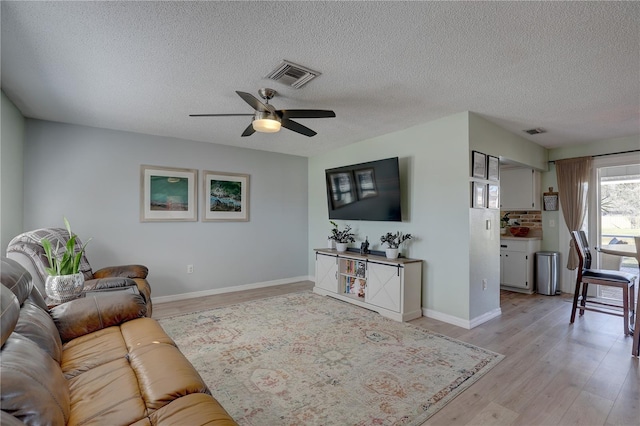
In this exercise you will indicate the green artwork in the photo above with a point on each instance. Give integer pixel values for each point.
(226, 196)
(169, 193)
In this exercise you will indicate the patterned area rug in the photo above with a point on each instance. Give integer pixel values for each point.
(304, 359)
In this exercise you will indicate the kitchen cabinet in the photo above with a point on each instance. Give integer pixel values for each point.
(516, 264)
(520, 189)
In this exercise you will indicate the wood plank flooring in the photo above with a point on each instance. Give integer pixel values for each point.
(554, 373)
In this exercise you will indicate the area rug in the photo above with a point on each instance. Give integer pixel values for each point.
(305, 359)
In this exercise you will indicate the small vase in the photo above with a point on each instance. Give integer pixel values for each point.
(341, 246)
(392, 253)
(330, 243)
(63, 288)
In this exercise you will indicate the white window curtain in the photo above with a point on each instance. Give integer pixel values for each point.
(573, 188)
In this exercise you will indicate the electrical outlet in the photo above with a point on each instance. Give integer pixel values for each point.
(189, 269)
(552, 223)
(484, 284)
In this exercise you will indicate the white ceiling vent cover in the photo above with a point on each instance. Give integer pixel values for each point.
(293, 75)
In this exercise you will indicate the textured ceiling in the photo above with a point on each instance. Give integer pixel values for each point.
(570, 67)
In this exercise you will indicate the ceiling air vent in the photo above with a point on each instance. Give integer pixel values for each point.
(535, 131)
(292, 74)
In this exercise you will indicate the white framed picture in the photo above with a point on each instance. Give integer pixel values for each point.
(493, 168)
(493, 196)
(478, 195)
(226, 197)
(168, 194)
(478, 165)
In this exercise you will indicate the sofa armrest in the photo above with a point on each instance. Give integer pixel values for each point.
(95, 312)
(107, 283)
(125, 271)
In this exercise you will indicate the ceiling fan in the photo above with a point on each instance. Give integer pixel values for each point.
(267, 119)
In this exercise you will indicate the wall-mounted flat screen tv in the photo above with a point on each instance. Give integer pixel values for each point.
(365, 191)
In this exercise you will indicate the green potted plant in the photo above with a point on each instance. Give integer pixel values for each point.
(394, 241)
(504, 223)
(342, 238)
(64, 282)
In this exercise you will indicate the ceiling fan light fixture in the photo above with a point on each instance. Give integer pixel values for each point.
(266, 125)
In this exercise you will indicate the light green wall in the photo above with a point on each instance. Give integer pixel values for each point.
(11, 171)
(487, 137)
(435, 178)
(607, 146)
(484, 248)
(551, 240)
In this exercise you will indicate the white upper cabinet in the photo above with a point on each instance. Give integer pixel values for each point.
(520, 189)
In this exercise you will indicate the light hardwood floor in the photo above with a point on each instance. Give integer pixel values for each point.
(554, 373)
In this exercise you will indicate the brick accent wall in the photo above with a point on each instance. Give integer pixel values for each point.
(530, 218)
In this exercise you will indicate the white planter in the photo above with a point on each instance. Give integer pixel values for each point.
(341, 246)
(392, 253)
(62, 288)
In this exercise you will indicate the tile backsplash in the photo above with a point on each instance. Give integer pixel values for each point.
(530, 218)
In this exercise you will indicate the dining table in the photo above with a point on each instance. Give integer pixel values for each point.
(628, 250)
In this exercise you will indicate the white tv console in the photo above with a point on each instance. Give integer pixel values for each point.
(391, 287)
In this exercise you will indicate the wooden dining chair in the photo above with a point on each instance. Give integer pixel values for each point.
(606, 277)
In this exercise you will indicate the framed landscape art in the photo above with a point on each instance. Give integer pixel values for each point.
(168, 194)
(226, 197)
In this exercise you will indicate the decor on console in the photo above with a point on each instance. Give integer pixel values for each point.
(226, 197)
(305, 359)
(394, 241)
(64, 282)
(342, 238)
(168, 194)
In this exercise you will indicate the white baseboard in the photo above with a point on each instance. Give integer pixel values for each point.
(468, 324)
(196, 294)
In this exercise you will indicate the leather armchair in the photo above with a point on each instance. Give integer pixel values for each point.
(27, 250)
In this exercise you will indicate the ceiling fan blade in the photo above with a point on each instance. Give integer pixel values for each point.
(253, 101)
(220, 115)
(306, 113)
(248, 131)
(297, 127)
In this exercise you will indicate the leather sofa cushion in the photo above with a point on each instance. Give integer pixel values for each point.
(37, 325)
(93, 313)
(9, 312)
(33, 387)
(130, 371)
(150, 352)
(106, 394)
(194, 409)
(127, 271)
(92, 350)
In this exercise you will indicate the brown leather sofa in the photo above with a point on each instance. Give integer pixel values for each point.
(95, 360)
(28, 251)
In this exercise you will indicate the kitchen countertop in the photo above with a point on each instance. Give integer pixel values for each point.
(511, 237)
